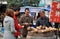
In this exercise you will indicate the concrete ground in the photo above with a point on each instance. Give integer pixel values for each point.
(32, 37)
(1, 35)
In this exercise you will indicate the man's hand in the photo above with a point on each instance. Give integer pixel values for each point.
(19, 24)
(23, 26)
(27, 24)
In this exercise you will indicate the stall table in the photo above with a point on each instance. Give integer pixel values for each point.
(45, 35)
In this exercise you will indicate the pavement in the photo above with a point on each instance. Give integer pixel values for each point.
(1, 35)
(31, 37)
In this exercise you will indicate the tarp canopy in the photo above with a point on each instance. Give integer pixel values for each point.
(34, 9)
(48, 8)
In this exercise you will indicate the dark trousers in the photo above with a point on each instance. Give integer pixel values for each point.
(24, 32)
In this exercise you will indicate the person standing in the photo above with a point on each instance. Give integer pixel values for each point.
(26, 20)
(9, 25)
(17, 26)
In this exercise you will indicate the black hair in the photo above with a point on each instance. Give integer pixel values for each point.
(40, 12)
(26, 9)
(17, 8)
(43, 11)
(38, 15)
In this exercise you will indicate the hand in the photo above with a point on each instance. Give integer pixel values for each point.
(19, 24)
(26, 23)
(23, 26)
(19, 37)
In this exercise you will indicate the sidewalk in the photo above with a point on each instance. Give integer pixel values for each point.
(30, 37)
(1, 35)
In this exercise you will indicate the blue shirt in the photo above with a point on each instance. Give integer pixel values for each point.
(44, 21)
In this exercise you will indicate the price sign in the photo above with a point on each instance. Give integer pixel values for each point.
(55, 13)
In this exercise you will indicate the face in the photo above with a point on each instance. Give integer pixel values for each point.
(17, 12)
(27, 12)
(42, 14)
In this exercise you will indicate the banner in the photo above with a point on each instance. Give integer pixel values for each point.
(55, 13)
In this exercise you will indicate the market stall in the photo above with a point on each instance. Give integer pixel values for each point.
(41, 32)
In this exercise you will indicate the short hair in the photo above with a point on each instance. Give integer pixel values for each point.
(16, 8)
(26, 9)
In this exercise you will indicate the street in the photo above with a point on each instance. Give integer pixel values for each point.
(32, 37)
(1, 35)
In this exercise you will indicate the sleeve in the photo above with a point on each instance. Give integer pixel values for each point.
(19, 27)
(49, 22)
(12, 26)
(31, 21)
(21, 21)
(37, 23)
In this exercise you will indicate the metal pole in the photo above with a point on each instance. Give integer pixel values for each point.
(57, 37)
(57, 34)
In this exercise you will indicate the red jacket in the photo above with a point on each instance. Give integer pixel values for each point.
(17, 27)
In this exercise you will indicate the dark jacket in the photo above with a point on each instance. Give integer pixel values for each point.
(26, 19)
(44, 21)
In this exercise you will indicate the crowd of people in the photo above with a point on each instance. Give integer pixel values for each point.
(13, 29)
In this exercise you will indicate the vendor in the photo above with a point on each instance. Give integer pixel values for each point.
(26, 20)
(43, 20)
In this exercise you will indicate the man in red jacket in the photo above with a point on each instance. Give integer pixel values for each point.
(17, 27)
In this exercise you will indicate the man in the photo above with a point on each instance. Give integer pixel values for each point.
(17, 27)
(43, 20)
(26, 20)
